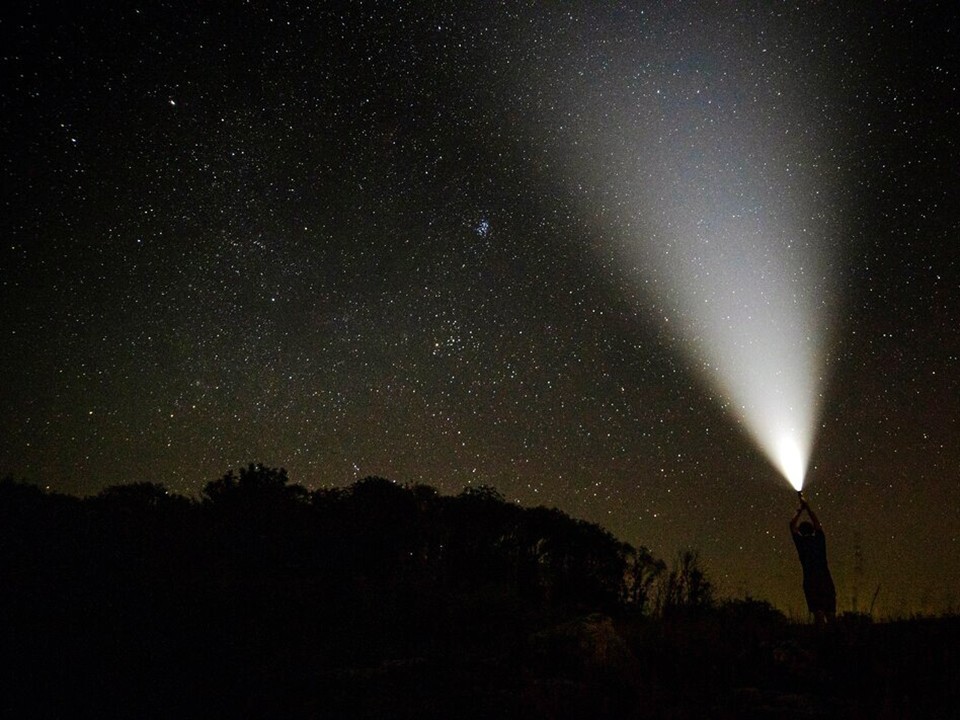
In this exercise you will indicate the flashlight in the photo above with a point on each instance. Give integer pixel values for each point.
(800, 495)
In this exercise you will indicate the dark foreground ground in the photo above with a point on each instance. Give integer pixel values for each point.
(359, 666)
(386, 602)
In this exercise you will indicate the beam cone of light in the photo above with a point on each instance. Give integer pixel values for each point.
(791, 461)
(711, 162)
(753, 325)
(730, 242)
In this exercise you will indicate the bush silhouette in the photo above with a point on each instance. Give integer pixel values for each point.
(264, 599)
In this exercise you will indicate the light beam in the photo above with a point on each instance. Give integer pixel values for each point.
(709, 151)
(750, 319)
(734, 234)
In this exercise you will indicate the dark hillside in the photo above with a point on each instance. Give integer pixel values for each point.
(384, 601)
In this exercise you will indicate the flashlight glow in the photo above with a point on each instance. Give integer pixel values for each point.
(791, 461)
(715, 185)
(749, 316)
(739, 254)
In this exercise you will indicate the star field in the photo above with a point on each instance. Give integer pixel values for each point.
(416, 240)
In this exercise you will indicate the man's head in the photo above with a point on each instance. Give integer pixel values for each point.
(805, 528)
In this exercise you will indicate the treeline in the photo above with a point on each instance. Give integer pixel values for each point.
(138, 591)
(263, 599)
(375, 537)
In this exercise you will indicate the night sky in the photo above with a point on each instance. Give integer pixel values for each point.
(414, 240)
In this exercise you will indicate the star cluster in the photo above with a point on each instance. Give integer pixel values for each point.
(394, 239)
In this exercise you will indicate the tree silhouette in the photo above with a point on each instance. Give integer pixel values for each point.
(686, 587)
(381, 600)
(642, 572)
(254, 484)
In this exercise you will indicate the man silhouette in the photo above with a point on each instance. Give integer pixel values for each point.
(811, 544)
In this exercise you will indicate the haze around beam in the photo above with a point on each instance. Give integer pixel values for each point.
(752, 324)
(705, 146)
